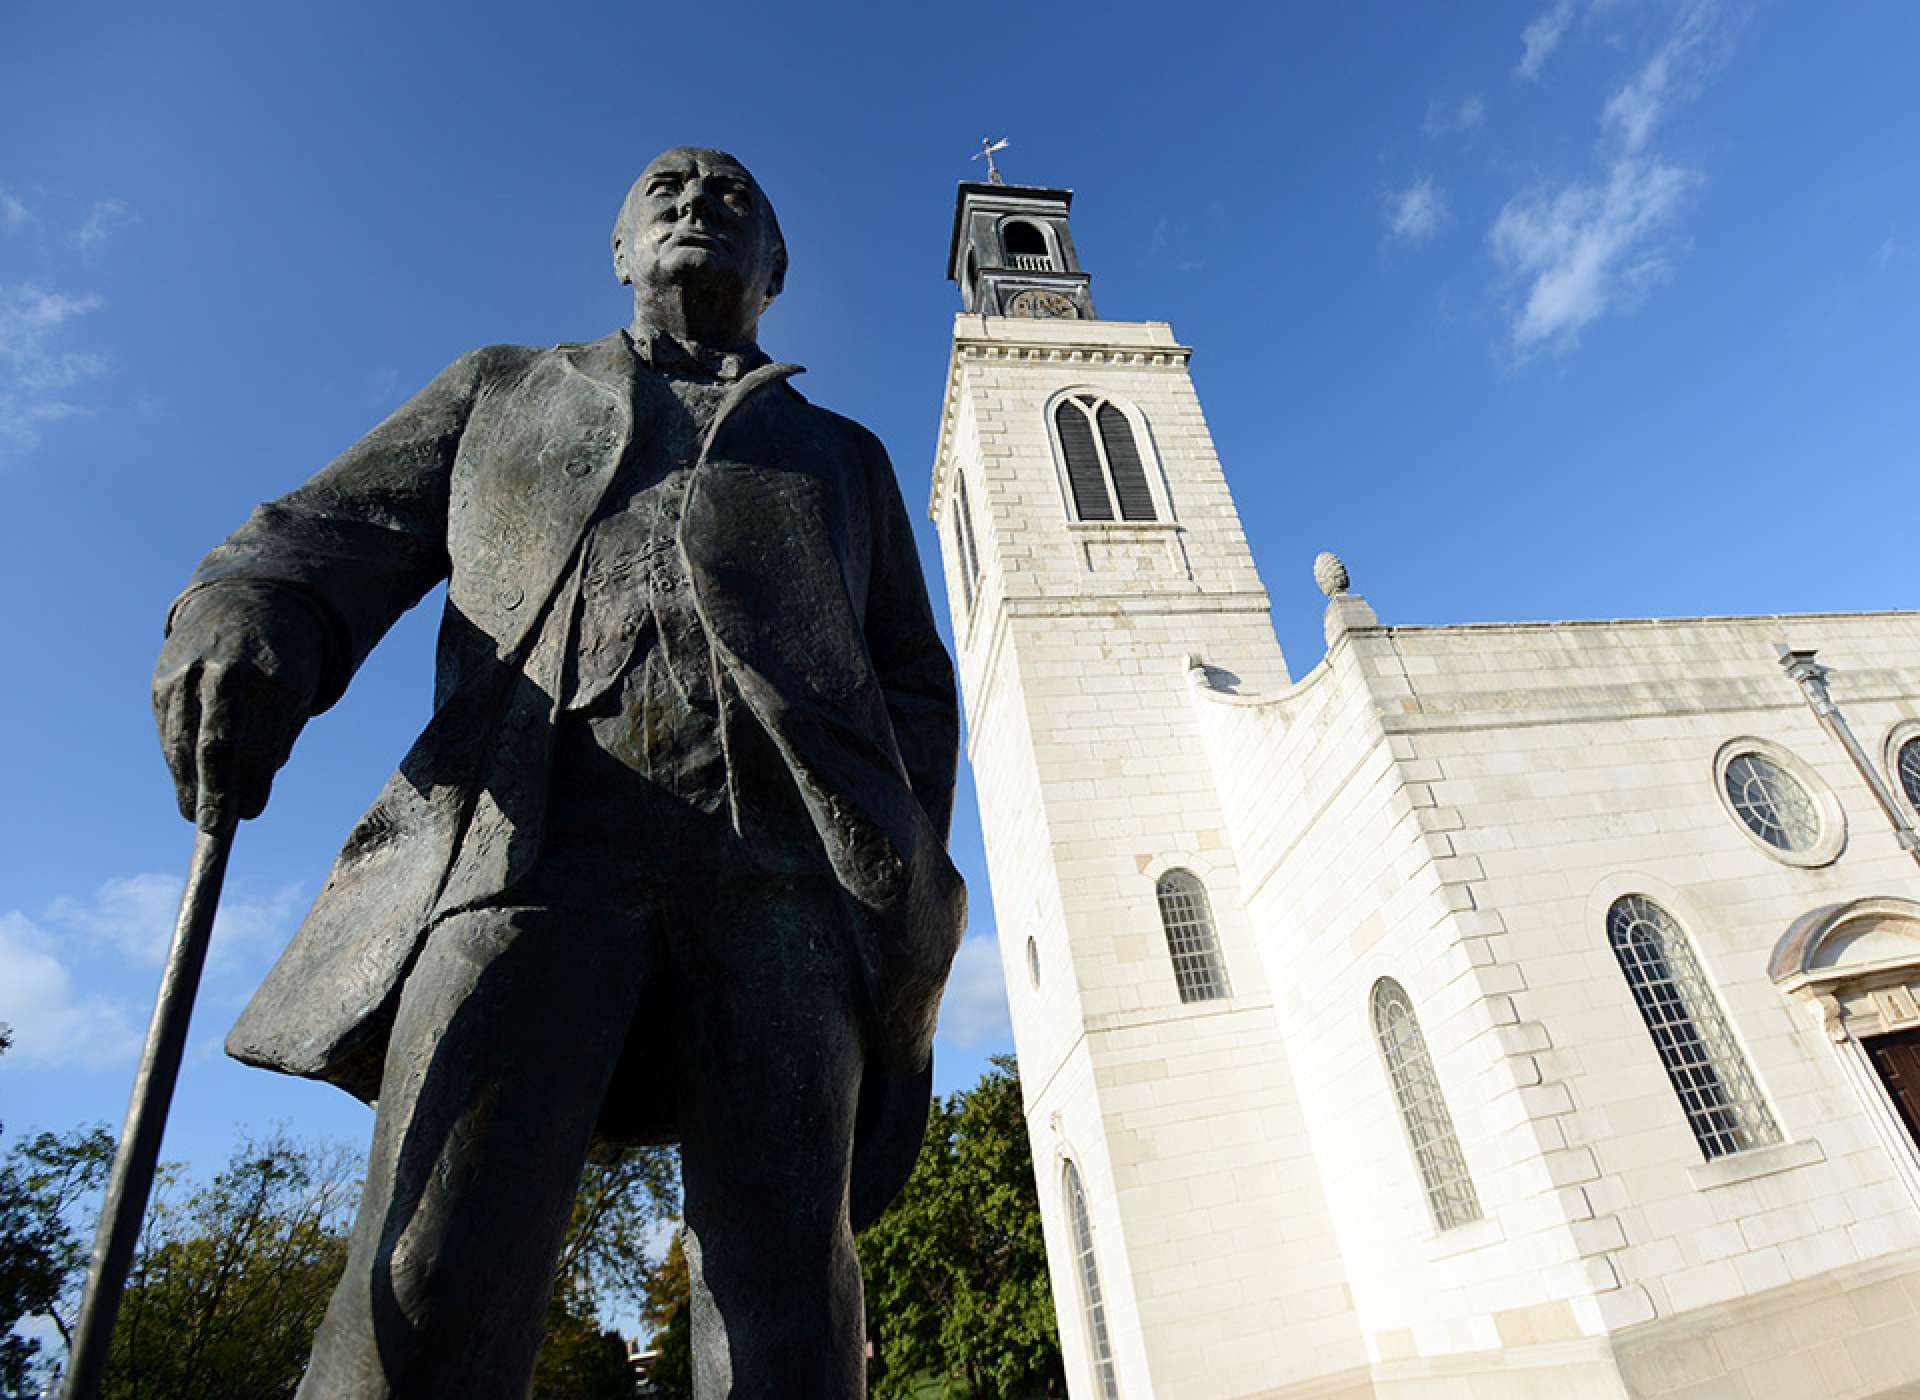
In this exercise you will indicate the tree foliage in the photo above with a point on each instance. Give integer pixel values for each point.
(230, 1281)
(44, 1233)
(623, 1200)
(231, 1278)
(956, 1271)
(666, 1305)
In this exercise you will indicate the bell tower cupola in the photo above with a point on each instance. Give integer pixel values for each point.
(1013, 255)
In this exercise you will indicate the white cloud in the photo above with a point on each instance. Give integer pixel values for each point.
(1452, 118)
(52, 1027)
(1587, 248)
(1542, 37)
(34, 377)
(135, 915)
(1674, 70)
(1596, 245)
(1888, 252)
(1417, 212)
(973, 1014)
(106, 216)
(14, 215)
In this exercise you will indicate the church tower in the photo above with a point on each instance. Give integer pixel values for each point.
(1092, 554)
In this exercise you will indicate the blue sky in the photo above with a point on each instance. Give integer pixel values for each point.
(1533, 310)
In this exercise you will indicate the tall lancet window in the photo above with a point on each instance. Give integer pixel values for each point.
(966, 555)
(1715, 1085)
(1106, 469)
(1451, 1199)
(1198, 969)
(1093, 1307)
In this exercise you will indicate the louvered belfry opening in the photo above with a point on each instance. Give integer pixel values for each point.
(1123, 456)
(1106, 473)
(1085, 477)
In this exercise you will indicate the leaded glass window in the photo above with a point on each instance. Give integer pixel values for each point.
(1908, 765)
(1198, 969)
(1772, 802)
(1444, 1178)
(1091, 1302)
(1106, 469)
(1716, 1088)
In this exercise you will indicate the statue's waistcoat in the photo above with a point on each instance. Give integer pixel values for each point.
(773, 542)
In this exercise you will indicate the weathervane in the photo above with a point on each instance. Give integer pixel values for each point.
(987, 147)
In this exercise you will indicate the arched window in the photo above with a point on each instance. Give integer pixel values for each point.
(966, 556)
(1026, 246)
(1716, 1087)
(1423, 1112)
(1198, 970)
(1094, 1308)
(1106, 471)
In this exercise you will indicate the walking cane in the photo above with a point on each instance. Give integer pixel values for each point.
(125, 1206)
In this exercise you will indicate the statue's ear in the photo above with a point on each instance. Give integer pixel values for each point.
(777, 282)
(620, 261)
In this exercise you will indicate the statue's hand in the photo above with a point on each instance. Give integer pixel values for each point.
(234, 685)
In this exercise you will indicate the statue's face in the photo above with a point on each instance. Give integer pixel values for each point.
(697, 216)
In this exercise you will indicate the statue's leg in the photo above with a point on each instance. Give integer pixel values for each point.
(768, 1061)
(507, 1034)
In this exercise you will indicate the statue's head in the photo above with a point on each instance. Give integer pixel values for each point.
(698, 217)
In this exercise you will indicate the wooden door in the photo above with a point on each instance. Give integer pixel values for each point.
(1897, 1059)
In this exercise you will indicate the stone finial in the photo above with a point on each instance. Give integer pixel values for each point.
(1331, 574)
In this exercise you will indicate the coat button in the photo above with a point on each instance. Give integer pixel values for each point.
(580, 466)
(509, 596)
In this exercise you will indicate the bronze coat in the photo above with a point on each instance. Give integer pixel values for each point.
(802, 565)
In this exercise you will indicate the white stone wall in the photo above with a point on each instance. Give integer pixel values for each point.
(1221, 1275)
(1456, 808)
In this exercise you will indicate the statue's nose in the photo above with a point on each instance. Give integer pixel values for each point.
(693, 199)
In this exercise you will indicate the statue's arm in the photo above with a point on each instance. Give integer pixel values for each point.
(278, 617)
(915, 671)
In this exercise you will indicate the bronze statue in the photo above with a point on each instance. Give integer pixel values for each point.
(668, 863)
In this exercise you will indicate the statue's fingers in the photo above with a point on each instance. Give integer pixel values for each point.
(214, 751)
(176, 709)
(257, 757)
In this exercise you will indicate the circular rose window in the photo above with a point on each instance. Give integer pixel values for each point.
(1908, 765)
(1772, 802)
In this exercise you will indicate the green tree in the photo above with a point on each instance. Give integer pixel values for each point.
(623, 1200)
(229, 1284)
(956, 1271)
(43, 1184)
(580, 1359)
(666, 1313)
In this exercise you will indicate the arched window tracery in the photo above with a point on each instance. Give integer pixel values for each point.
(1444, 1178)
